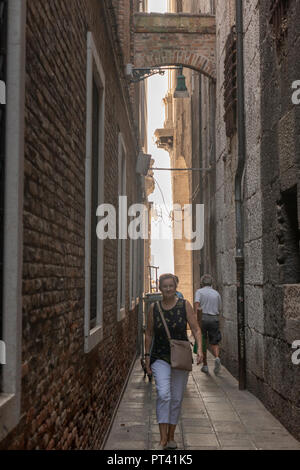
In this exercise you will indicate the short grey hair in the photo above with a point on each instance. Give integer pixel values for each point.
(206, 280)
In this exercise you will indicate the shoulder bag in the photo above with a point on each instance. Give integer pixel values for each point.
(181, 353)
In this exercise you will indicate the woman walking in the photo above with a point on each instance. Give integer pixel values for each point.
(170, 382)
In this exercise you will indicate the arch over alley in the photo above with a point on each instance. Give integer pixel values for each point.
(175, 39)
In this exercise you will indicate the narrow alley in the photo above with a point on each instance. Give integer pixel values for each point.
(216, 415)
(149, 190)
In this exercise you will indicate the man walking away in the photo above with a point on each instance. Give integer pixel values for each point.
(208, 300)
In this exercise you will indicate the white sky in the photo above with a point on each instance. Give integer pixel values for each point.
(161, 249)
(158, 6)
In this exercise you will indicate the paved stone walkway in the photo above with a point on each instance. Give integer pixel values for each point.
(215, 415)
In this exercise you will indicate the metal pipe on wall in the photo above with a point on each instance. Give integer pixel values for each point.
(239, 197)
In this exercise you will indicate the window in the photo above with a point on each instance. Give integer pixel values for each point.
(122, 229)
(140, 262)
(12, 13)
(94, 193)
(94, 197)
(288, 235)
(131, 275)
(230, 84)
(133, 287)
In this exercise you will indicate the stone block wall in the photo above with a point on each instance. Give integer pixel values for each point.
(271, 196)
(68, 397)
(226, 161)
(255, 357)
(279, 170)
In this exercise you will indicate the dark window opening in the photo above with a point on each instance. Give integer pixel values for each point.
(132, 272)
(94, 205)
(3, 49)
(279, 21)
(230, 84)
(289, 238)
(123, 242)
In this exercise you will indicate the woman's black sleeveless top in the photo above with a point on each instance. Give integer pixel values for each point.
(176, 321)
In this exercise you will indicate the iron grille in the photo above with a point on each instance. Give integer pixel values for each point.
(3, 57)
(279, 19)
(230, 85)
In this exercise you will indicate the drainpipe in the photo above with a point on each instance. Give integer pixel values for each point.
(141, 268)
(239, 197)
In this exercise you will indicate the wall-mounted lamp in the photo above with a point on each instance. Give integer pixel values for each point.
(181, 90)
(138, 74)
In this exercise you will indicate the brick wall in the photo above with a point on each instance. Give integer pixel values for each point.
(193, 45)
(68, 397)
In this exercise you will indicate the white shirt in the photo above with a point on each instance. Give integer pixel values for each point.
(209, 299)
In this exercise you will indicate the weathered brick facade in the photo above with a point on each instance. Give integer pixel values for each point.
(68, 397)
(171, 39)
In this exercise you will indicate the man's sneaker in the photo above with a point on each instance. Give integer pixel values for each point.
(217, 366)
(204, 369)
(171, 445)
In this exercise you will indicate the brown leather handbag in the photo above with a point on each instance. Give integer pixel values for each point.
(181, 352)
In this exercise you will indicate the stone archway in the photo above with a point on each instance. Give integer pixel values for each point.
(175, 39)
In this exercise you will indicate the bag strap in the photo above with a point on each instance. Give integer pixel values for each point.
(164, 321)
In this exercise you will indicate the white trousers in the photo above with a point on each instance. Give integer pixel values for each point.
(170, 387)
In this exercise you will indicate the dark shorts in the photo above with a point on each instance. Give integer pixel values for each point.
(210, 327)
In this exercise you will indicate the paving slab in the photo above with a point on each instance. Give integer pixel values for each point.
(199, 440)
(215, 415)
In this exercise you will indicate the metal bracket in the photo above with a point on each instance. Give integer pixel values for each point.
(138, 74)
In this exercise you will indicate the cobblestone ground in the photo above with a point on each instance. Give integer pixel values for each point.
(215, 415)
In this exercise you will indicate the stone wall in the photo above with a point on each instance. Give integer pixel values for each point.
(271, 199)
(254, 307)
(271, 217)
(226, 160)
(279, 166)
(68, 397)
